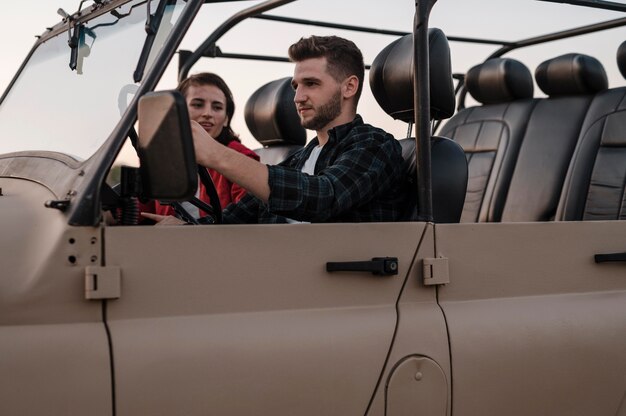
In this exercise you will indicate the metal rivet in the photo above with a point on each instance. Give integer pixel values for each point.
(418, 376)
(94, 240)
(94, 258)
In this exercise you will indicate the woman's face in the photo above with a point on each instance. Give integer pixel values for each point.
(207, 106)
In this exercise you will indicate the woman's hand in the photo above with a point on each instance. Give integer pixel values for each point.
(163, 219)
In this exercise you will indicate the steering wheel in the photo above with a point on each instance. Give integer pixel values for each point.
(214, 209)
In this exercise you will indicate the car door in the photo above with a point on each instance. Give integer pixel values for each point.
(245, 319)
(536, 326)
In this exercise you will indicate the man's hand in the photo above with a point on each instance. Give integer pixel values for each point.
(237, 167)
(206, 147)
(163, 219)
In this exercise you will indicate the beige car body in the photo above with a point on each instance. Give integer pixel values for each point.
(527, 323)
(481, 319)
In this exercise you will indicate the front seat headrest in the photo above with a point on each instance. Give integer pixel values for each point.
(571, 74)
(499, 80)
(621, 58)
(391, 77)
(271, 115)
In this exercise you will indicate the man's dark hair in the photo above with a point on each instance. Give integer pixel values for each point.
(343, 57)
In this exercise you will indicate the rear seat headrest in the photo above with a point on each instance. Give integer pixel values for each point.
(499, 80)
(391, 77)
(571, 74)
(271, 115)
(621, 58)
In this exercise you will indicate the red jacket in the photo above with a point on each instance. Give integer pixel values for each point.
(226, 190)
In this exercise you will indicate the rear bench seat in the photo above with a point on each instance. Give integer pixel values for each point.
(519, 148)
(491, 134)
(596, 181)
(570, 81)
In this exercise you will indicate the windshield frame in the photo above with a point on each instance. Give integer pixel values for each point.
(60, 29)
(86, 210)
(79, 182)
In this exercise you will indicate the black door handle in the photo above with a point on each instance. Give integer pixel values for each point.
(381, 266)
(604, 258)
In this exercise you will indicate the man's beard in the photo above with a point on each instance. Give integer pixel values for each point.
(325, 113)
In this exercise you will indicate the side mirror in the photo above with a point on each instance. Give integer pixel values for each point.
(165, 147)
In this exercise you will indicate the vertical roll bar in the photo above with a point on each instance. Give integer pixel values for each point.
(421, 100)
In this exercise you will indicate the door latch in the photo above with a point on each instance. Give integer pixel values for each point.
(102, 282)
(436, 271)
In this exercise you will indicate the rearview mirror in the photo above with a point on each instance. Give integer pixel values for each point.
(165, 147)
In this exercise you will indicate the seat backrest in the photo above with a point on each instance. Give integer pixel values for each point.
(570, 81)
(391, 80)
(491, 134)
(271, 116)
(448, 168)
(595, 185)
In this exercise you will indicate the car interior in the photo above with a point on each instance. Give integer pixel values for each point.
(560, 157)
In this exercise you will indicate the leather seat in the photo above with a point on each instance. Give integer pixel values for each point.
(491, 134)
(570, 81)
(391, 81)
(596, 181)
(271, 116)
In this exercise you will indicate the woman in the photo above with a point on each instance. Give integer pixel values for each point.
(210, 103)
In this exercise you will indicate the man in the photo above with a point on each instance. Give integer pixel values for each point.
(351, 172)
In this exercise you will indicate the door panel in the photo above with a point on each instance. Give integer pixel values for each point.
(246, 320)
(421, 334)
(536, 326)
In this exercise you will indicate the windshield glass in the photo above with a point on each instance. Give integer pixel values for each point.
(53, 108)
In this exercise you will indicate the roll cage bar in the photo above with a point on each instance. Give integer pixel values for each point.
(210, 49)
(599, 4)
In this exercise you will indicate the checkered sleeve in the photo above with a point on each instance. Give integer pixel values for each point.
(363, 169)
(246, 211)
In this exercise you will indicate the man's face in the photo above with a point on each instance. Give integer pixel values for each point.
(318, 96)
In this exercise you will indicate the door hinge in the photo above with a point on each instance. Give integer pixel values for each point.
(102, 282)
(436, 271)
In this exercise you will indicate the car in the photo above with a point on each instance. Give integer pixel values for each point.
(504, 293)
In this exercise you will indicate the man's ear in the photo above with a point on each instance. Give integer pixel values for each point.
(350, 86)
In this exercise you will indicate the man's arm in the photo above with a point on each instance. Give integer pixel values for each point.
(237, 167)
(364, 170)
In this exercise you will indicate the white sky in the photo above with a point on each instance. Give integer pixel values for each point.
(518, 19)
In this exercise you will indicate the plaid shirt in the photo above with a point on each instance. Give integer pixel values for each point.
(357, 179)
